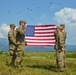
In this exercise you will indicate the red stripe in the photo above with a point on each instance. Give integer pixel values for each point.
(44, 32)
(40, 44)
(45, 36)
(39, 39)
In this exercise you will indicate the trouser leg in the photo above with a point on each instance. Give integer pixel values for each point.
(19, 58)
(60, 55)
(12, 57)
(56, 58)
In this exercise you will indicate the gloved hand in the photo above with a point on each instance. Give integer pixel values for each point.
(17, 43)
(25, 43)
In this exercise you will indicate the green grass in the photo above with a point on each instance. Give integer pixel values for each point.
(38, 63)
(71, 54)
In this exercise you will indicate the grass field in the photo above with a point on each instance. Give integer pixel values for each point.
(38, 63)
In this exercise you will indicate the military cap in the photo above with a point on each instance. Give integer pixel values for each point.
(59, 27)
(63, 25)
(12, 25)
(22, 21)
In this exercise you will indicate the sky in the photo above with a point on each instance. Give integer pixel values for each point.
(36, 12)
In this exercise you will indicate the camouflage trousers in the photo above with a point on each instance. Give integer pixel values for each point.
(60, 59)
(64, 49)
(12, 57)
(20, 54)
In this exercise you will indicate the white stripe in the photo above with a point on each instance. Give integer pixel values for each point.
(45, 27)
(44, 30)
(36, 44)
(40, 41)
(40, 37)
(44, 34)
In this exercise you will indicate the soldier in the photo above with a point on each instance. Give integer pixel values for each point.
(59, 49)
(65, 35)
(12, 44)
(20, 38)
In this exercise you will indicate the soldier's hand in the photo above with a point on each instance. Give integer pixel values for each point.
(17, 43)
(25, 43)
(59, 51)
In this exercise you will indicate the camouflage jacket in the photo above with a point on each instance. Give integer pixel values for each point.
(60, 40)
(12, 38)
(64, 34)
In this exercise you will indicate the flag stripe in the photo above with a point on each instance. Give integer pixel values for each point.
(41, 28)
(39, 38)
(40, 41)
(44, 30)
(40, 44)
(46, 25)
(44, 34)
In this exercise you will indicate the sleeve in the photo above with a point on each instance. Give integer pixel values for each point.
(21, 30)
(60, 40)
(11, 38)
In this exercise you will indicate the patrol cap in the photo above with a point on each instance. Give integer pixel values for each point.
(12, 25)
(63, 25)
(22, 21)
(59, 27)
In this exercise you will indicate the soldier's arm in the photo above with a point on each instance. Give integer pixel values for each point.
(11, 38)
(20, 30)
(60, 40)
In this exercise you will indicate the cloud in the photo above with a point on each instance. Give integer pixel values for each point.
(68, 17)
(43, 16)
(4, 30)
(1, 35)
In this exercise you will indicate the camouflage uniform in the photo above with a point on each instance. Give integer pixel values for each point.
(12, 45)
(59, 50)
(64, 35)
(20, 36)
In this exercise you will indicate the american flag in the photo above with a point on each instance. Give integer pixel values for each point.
(40, 35)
